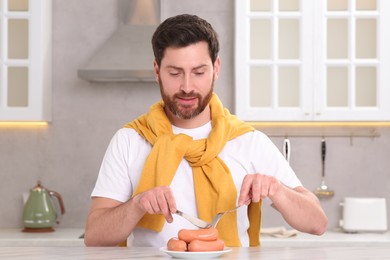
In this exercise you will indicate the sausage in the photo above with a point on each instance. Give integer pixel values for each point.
(175, 244)
(207, 234)
(202, 246)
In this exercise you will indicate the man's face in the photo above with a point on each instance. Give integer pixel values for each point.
(186, 78)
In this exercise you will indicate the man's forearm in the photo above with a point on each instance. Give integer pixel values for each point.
(301, 210)
(111, 226)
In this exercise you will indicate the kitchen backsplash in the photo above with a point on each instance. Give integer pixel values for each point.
(66, 155)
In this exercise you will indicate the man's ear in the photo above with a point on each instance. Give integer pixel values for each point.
(156, 70)
(217, 66)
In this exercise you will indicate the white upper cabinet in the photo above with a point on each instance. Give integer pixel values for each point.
(25, 60)
(322, 60)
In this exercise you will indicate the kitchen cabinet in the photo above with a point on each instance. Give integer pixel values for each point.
(25, 58)
(306, 60)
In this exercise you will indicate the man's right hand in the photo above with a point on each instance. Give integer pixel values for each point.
(116, 220)
(159, 200)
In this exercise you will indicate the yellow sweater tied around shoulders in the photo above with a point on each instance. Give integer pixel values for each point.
(214, 187)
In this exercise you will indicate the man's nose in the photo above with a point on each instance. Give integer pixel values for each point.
(186, 85)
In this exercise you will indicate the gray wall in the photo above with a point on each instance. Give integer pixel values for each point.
(66, 155)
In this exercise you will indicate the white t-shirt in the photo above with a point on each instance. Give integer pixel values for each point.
(123, 162)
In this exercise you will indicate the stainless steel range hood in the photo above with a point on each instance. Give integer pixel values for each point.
(127, 55)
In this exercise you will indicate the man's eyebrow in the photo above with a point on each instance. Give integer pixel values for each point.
(200, 66)
(179, 68)
(174, 67)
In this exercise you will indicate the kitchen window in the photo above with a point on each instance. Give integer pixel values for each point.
(323, 60)
(25, 57)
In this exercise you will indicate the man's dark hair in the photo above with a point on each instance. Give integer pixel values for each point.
(181, 31)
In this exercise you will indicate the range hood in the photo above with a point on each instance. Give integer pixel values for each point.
(127, 56)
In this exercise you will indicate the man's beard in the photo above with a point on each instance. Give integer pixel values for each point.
(183, 111)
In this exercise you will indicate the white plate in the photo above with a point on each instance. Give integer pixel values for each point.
(195, 255)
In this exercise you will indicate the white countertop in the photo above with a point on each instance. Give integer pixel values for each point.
(60, 237)
(330, 238)
(243, 253)
(70, 237)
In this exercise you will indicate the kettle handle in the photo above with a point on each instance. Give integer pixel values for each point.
(59, 198)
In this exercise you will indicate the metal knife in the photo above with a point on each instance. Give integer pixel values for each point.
(196, 221)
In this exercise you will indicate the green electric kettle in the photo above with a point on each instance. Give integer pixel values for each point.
(39, 213)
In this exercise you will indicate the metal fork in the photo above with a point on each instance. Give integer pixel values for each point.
(217, 217)
(203, 224)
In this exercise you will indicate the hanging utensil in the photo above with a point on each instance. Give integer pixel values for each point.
(286, 149)
(323, 192)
